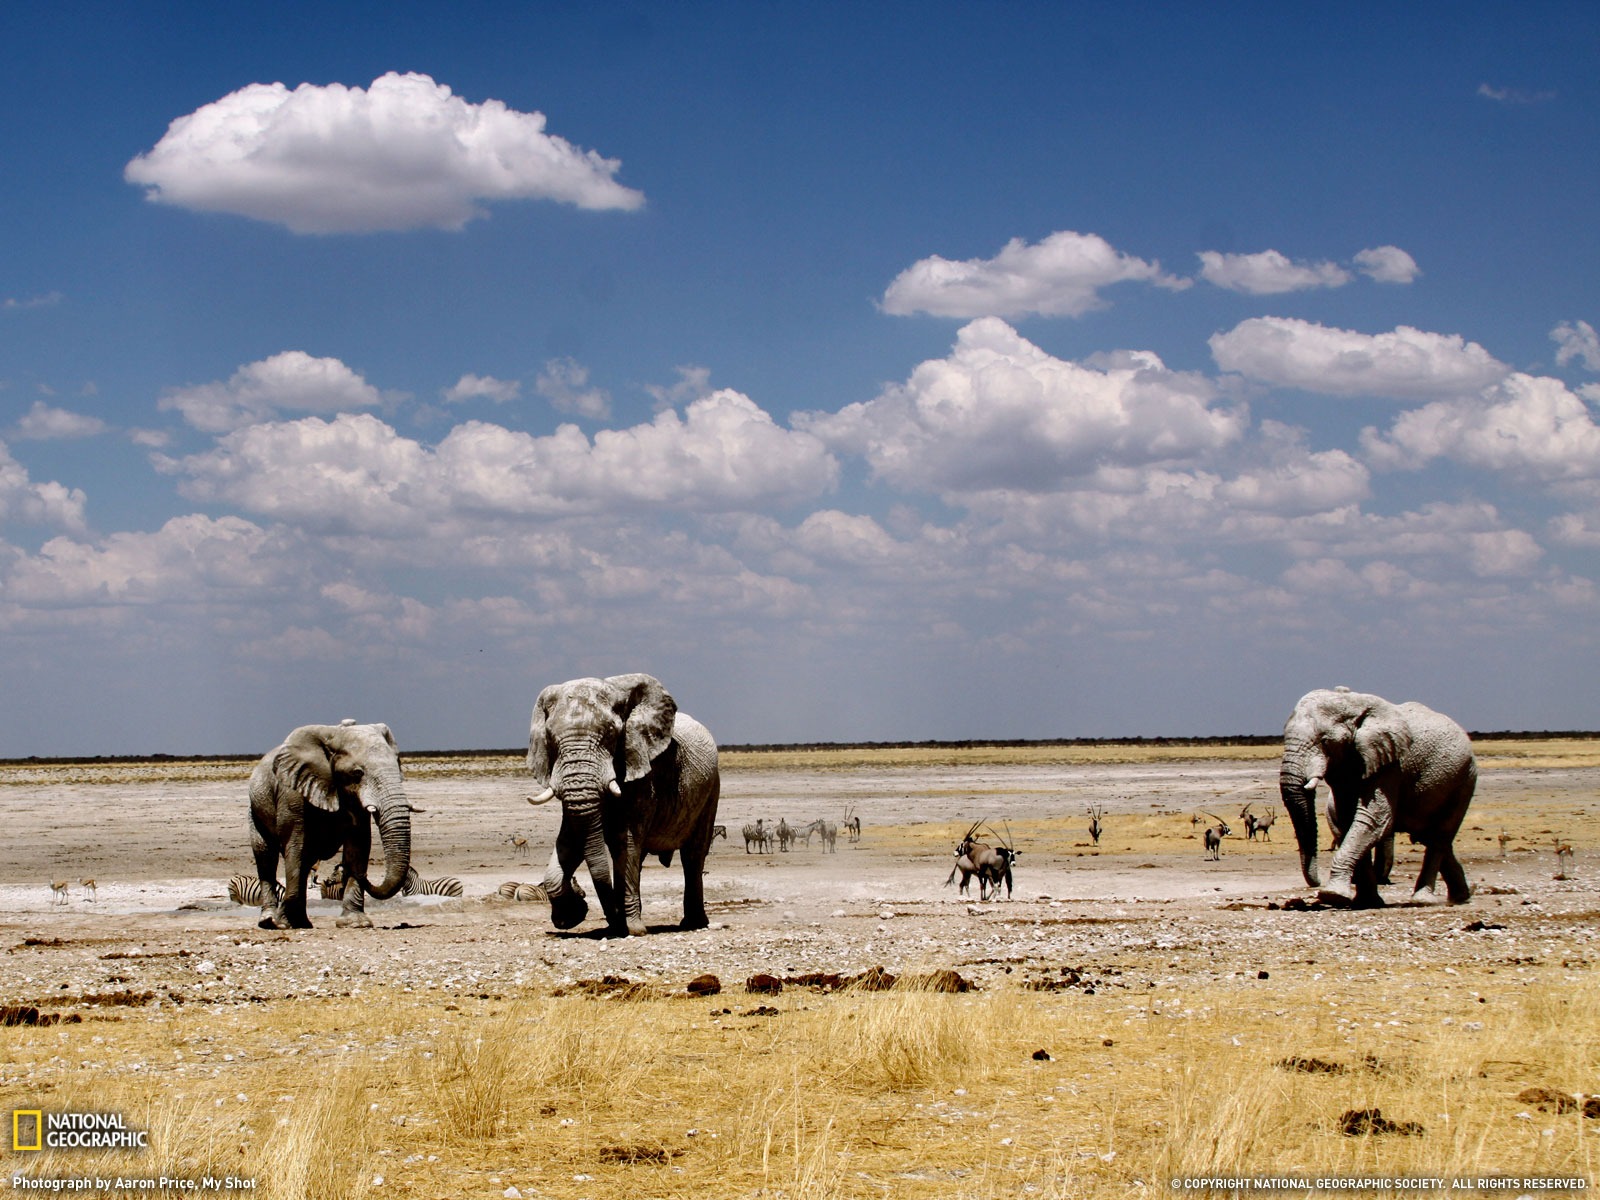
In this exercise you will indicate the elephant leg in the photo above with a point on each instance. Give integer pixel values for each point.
(1351, 877)
(1383, 859)
(625, 866)
(266, 856)
(296, 870)
(1457, 889)
(357, 849)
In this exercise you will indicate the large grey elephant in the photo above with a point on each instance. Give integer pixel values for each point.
(635, 776)
(1389, 768)
(314, 796)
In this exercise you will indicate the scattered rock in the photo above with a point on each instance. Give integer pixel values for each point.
(1480, 926)
(1043, 1056)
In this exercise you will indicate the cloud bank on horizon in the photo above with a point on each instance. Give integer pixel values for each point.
(1055, 520)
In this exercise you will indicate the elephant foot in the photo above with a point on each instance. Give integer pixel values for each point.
(272, 923)
(697, 922)
(1425, 898)
(1338, 892)
(354, 920)
(636, 927)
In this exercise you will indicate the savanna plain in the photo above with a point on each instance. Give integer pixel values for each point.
(1133, 1015)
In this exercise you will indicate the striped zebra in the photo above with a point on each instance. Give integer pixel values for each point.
(247, 890)
(415, 885)
(508, 890)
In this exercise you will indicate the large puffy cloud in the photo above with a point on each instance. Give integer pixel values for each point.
(1059, 276)
(1001, 412)
(1528, 425)
(1405, 362)
(355, 471)
(293, 380)
(405, 153)
(22, 501)
(1268, 273)
(1387, 264)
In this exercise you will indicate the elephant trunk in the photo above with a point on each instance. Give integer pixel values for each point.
(582, 774)
(383, 795)
(1297, 787)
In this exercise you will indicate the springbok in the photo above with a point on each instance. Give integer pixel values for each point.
(90, 892)
(58, 891)
(1563, 857)
(520, 844)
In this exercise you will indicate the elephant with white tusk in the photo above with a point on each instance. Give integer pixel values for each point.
(1388, 768)
(634, 776)
(318, 794)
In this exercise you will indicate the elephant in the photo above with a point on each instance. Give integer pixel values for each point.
(635, 776)
(314, 796)
(1389, 768)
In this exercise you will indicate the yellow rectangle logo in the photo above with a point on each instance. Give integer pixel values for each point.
(27, 1129)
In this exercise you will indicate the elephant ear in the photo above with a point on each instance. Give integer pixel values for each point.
(647, 711)
(304, 763)
(1382, 738)
(538, 740)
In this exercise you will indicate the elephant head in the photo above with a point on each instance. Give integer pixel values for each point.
(1338, 738)
(591, 738)
(355, 767)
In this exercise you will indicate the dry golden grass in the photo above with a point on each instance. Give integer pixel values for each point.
(910, 1093)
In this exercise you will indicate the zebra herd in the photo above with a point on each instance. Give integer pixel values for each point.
(783, 836)
(249, 890)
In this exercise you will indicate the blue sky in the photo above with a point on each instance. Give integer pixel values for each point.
(864, 372)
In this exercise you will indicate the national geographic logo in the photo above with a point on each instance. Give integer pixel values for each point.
(35, 1129)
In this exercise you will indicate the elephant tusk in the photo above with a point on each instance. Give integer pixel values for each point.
(614, 788)
(373, 809)
(414, 808)
(543, 797)
(1311, 784)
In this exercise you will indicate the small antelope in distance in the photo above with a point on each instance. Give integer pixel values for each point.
(1563, 857)
(992, 866)
(1214, 835)
(1096, 825)
(1503, 839)
(1254, 824)
(89, 890)
(520, 843)
(852, 824)
(58, 892)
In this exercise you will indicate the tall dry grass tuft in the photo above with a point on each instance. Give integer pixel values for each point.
(478, 1074)
(912, 1036)
(327, 1146)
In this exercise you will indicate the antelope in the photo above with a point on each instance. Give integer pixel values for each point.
(852, 824)
(1563, 857)
(991, 865)
(1254, 824)
(89, 890)
(1214, 835)
(58, 892)
(520, 843)
(1095, 824)
(1503, 839)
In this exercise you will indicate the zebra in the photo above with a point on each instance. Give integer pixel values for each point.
(508, 890)
(829, 832)
(786, 835)
(530, 891)
(248, 890)
(719, 831)
(758, 834)
(90, 892)
(415, 885)
(58, 892)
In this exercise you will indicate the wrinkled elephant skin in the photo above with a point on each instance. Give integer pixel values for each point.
(634, 776)
(1388, 769)
(315, 796)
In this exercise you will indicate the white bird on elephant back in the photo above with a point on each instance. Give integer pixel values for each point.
(1389, 768)
(634, 776)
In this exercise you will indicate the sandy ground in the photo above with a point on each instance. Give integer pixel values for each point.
(161, 850)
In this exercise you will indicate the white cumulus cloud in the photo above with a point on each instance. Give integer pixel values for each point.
(1405, 362)
(355, 471)
(44, 422)
(258, 391)
(482, 387)
(1576, 340)
(1528, 425)
(1387, 264)
(24, 501)
(1268, 273)
(1059, 276)
(405, 153)
(1001, 412)
(565, 383)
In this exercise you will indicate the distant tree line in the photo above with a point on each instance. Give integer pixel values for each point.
(1239, 739)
